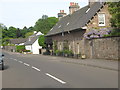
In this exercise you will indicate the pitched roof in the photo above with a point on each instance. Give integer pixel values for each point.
(31, 40)
(76, 20)
(18, 41)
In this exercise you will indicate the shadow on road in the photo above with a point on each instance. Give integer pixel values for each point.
(5, 67)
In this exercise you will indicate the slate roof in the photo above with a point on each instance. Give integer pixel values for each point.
(18, 41)
(76, 20)
(33, 38)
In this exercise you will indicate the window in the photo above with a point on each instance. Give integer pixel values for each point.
(59, 26)
(101, 19)
(88, 10)
(68, 23)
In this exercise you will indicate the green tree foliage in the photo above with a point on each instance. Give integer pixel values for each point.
(3, 34)
(24, 31)
(12, 32)
(44, 17)
(44, 25)
(41, 41)
(114, 8)
(28, 34)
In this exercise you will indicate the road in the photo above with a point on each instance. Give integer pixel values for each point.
(38, 71)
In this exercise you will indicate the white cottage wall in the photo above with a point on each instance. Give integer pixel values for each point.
(36, 47)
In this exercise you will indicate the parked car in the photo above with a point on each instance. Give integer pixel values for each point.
(1, 61)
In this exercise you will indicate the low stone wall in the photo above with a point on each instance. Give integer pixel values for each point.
(103, 48)
(10, 48)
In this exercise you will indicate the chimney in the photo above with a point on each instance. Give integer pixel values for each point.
(91, 2)
(61, 14)
(73, 7)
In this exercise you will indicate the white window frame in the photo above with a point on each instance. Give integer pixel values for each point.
(101, 22)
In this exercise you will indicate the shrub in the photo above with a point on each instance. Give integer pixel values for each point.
(20, 48)
(67, 52)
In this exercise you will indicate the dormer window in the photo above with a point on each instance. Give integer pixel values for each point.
(88, 10)
(59, 26)
(51, 29)
(68, 23)
(101, 19)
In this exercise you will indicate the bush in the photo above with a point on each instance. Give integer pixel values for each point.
(20, 48)
(67, 52)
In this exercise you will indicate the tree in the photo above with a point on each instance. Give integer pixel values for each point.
(28, 34)
(12, 32)
(44, 17)
(24, 31)
(114, 8)
(44, 25)
(18, 33)
(41, 41)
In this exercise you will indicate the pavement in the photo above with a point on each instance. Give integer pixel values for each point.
(99, 63)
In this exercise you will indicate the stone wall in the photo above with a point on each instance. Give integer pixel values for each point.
(10, 48)
(103, 48)
(75, 41)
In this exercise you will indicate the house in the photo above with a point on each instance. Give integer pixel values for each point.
(32, 43)
(69, 32)
(14, 43)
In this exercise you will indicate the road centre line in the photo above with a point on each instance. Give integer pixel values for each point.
(15, 59)
(55, 78)
(20, 62)
(26, 64)
(36, 68)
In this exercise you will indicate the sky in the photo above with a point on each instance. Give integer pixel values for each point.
(20, 13)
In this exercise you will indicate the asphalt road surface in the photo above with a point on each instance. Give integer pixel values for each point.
(38, 71)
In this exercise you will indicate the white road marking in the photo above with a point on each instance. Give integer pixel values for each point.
(20, 62)
(15, 59)
(36, 68)
(55, 78)
(26, 64)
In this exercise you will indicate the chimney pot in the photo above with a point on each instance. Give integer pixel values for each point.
(71, 3)
(73, 7)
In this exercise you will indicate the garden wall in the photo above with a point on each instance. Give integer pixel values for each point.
(103, 48)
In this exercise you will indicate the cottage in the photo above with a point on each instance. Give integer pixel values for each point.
(14, 43)
(32, 43)
(69, 31)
